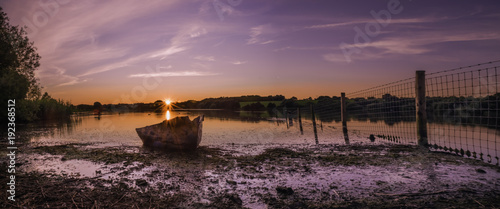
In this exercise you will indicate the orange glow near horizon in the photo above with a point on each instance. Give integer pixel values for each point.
(168, 102)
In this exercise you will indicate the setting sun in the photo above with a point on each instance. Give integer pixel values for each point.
(168, 102)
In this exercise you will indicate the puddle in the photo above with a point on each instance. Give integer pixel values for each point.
(53, 165)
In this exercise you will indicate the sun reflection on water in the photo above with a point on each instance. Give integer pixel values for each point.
(167, 115)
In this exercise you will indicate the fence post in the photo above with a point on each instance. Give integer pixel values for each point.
(314, 124)
(286, 119)
(300, 121)
(343, 117)
(420, 108)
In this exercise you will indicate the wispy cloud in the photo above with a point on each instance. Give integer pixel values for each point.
(268, 42)
(340, 58)
(73, 82)
(205, 58)
(167, 52)
(334, 25)
(360, 21)
(306, 48)
(257, 33)
(181, 42)
(56, 76)
(172, 74)
(420, 43)
(239, 62)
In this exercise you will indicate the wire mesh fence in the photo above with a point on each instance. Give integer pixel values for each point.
(386, 112)
(463, 112)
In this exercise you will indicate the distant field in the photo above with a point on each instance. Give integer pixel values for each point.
(265, 103)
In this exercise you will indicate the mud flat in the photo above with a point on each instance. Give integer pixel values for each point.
(251, 176)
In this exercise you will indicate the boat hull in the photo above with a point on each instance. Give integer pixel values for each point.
(178, 133)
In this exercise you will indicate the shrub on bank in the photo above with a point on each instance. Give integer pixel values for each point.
(44, 108)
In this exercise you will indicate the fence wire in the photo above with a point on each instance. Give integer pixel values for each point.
(463, 112)
(386, 112)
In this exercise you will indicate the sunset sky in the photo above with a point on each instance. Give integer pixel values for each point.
(140, 51)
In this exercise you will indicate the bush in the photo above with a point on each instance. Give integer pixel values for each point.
(45, 108)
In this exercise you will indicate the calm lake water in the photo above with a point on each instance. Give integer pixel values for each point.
(219, 127)
(244, 128)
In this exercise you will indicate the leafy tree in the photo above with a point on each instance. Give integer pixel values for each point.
(290, 103)
(97, 105)
(18, 54)
(18, 62)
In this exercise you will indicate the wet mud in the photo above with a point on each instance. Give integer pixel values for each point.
(361, 175)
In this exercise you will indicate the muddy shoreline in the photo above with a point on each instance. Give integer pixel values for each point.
(252, 176)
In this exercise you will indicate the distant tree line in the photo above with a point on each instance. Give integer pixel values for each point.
(136, 107)
(228, 103)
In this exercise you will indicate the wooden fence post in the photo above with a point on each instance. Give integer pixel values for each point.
(314, 124)
(286, 119)
(300, 121)
(343, 117)
(420, 108)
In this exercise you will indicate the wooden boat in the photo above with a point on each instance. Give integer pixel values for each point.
(178, 133)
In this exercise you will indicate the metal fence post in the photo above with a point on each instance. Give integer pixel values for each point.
(343, 117)
(420, 108)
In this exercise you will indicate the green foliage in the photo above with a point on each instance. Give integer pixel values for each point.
(52, 109)
(290, 103)
(257, 98)
(271, 106)
(294, 102)
(328, 108)
(26, 110)
(18, 62)
(13, 85)
(44, 108)
(97, 105)
(229, 103)
(255, 107)
(265, 103)
(18, 58)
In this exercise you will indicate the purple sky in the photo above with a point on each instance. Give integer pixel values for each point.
(140, 51)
